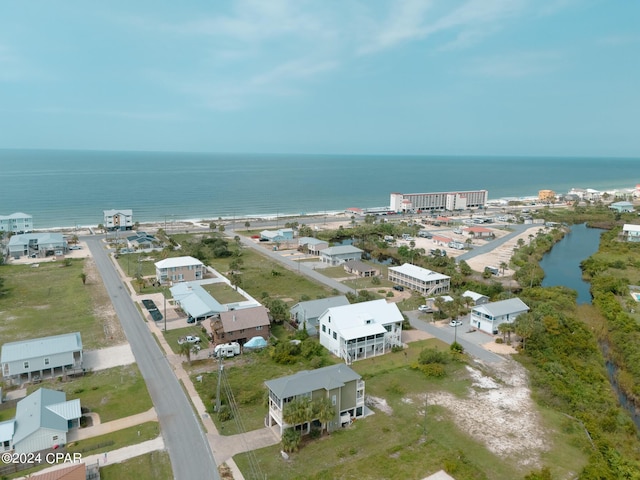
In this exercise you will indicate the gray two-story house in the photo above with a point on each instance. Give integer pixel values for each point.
(343, 387)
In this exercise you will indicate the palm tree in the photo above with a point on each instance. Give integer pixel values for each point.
(83, 277)
(247, 225)
(291, 440)
(324, 412)
(503, 266)
(184, 349)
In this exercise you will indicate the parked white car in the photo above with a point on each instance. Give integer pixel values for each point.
(455, 323)
(188, 339)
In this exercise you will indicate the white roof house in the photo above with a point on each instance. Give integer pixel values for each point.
(487, 317)
(195, 300)
(38, 244)
(420, 279)
(361, 330)
(179, 269)
(118, 219)
(631, 233)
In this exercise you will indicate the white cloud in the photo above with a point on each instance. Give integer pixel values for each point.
(517, 65)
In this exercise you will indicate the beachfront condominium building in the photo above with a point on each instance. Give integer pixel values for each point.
(422, 280)
(439, 201)
(118, 219)
(16, 223)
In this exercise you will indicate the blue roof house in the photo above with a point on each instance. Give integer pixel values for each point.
(43, 420)
(39, 357)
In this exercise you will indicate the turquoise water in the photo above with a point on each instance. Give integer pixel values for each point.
(67, 188)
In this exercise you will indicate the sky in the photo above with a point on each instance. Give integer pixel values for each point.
(388, 77)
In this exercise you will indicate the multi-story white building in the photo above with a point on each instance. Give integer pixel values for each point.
(412, 202)
(16, 223)
(179, 269)
(361, 330)
(422, 280)
(489, 316)
(118, 219)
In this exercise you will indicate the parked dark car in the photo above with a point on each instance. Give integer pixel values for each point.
(399, 288)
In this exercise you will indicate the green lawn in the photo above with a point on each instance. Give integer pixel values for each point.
(172, 336)
(143, 263)
(154, 465)
(114, 393)
(109, 442)
(50, 300)
(261, 276)
(223, 293)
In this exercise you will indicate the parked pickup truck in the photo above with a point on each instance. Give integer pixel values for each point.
(188, 339)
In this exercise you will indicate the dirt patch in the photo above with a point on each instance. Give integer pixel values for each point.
(499, 412)
(103, 308)
(379, 404)
(409, 336)
(500, 348)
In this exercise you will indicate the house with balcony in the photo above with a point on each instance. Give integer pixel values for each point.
(179, 269)
(622, 207)
(42, 421)
(340, 254)
(241, 325)
(312, 245)
(33, 359)
(306, 314)
(117, 219)
(16, 223)
(338, 384)
(361, 330)
(487, 317)
(422, 280)
(37, 245)
(630, 233)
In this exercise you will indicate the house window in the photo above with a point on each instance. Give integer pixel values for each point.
(46, 361)
(335, 336)
(333, 400)
(324, 328)
(55, 437)
(26, 365)
(259, 327)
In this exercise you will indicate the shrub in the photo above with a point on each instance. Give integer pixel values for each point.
(499, 340)
(431, 355)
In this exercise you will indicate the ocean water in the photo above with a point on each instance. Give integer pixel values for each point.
(69, 188)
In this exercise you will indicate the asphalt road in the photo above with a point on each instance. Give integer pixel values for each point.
(184, 438)
(470, 340)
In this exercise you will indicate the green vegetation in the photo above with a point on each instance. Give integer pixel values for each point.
(172, 336)
(114, 393)
(154, 465)
(114, 440)
(223, 293)
(50, 300)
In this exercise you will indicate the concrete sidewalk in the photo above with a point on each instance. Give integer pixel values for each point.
(115, 456)
(113, 426)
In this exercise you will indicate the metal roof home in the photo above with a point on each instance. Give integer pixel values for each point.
(179, 269)
(361, 330)
(16, 222)
(622, 206)
(277, 235)
(195, 300)
(43, 420)
(45, 355)
(343, 387)
(307, 313)
(39, 244)
(420, 279)
(631, 233)
(340, 254)
(487, 317)
(478, 298)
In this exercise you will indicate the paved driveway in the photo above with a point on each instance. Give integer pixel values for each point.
(108, 357)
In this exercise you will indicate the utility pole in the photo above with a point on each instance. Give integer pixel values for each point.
(219, 382)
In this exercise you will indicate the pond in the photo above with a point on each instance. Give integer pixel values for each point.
(562, 264)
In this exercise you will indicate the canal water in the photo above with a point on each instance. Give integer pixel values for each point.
(562, 267)
(562, 264)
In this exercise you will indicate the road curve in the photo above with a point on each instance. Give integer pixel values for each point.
(184, 438)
